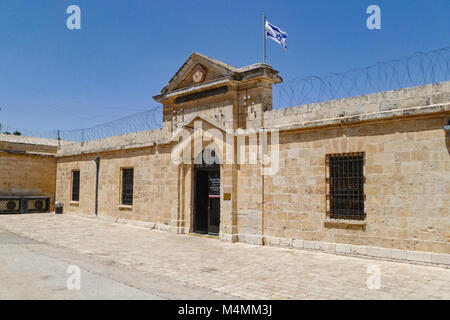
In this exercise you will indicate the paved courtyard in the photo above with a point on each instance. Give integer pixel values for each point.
(129, 262)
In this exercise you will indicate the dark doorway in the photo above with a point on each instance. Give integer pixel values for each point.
(207, 198)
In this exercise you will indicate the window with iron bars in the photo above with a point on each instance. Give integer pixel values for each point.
(76, 185)
(127, 186)
(346, 186)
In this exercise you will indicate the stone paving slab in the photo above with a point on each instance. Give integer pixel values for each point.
(236, 269)
(25, 274)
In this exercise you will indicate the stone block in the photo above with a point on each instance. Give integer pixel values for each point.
(342, 248)
(311, 245)
(299, 244)
(398, 254)
(440, 258)
(356, 249)
(418, 256)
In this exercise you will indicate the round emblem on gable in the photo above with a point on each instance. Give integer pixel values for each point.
(199, 74)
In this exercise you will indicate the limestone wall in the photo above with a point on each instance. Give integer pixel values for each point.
(31, 175)
(219, 108)
(407, 167)
(125, 141)
(155, 184)
(27, 166)
(29, 141)
(249, 203)
(372, 103)
(407, 186)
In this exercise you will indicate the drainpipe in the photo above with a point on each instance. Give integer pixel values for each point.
(97, 163)
(264, 147)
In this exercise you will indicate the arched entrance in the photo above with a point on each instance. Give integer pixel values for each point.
(207, 194)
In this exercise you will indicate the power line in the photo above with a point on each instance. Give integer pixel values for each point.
(60, 104)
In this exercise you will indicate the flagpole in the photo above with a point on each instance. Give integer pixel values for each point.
(264, 38)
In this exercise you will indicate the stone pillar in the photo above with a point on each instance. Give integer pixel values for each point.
(177, 216)
(228, 202)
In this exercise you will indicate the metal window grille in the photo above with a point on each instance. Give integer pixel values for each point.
(346, 186)
(127, 186)
(75, 185)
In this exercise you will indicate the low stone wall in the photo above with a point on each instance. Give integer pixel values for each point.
(29, 141)
(126, 141)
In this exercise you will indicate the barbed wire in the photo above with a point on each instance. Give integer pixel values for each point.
(418, 69)
(142, 121)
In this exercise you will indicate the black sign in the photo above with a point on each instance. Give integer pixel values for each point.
(213, 184)
(203, 94)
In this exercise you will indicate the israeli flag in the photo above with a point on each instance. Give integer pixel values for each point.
(276, 34)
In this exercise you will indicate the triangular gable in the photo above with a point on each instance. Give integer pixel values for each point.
(213, 69)
(200, 72)
(190, 121)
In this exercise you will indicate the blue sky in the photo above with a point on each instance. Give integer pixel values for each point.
(126, 51)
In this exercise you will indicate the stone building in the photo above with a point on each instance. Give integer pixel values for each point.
(27, 168)
(366, 175)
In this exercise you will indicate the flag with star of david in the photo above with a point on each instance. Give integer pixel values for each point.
(276, 34)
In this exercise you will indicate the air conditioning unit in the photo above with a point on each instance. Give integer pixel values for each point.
(36, 204)
(9, 204)
(27, 204)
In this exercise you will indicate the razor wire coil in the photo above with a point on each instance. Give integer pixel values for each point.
(415, 70)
